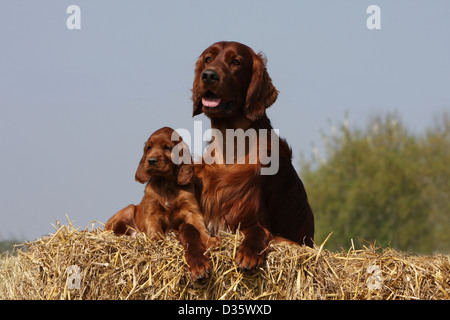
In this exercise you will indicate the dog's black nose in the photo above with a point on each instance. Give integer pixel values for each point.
(152, 161)
(210, 76)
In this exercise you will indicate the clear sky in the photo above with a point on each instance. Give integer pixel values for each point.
(76, 106)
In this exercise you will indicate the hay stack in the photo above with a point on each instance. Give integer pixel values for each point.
(113, 267)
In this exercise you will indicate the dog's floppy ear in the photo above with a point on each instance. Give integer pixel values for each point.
(196, 99)
(142, 175)
(185, 173)
(261, 93)
(181, 157)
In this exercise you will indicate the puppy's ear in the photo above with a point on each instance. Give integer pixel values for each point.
(142, 175)
(261, 93)
(185, 173)
(196, 99)
(181, 157)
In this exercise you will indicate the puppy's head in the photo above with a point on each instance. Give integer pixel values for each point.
(157, 160)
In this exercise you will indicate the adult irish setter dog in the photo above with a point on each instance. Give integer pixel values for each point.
(169, 202)
(233, 88)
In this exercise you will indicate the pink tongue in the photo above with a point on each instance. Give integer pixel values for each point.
(211, 102)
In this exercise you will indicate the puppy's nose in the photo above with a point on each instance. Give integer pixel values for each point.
(210, 76)
(152, 161)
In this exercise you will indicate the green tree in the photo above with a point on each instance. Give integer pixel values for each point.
(435, 178)
(382, 183)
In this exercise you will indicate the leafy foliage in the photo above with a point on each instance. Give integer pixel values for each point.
(383, 183)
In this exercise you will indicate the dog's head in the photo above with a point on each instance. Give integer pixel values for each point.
(231, 80)
(157, 158)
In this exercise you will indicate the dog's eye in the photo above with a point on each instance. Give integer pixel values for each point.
(148, 148)
(166, 147)
(236, 62)
(208, 59)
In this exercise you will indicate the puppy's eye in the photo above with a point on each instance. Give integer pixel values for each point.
(236, 62)
(208, 59)
(148, 148)
(167, 147)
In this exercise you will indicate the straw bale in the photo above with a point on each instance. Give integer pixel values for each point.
(121, 267)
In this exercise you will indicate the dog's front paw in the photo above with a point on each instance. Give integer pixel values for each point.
(200, 266)
(250, 258)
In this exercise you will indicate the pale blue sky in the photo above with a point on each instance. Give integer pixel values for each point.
(76, 106)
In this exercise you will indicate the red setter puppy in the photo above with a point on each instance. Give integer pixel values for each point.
(233, 88)
(169, 202)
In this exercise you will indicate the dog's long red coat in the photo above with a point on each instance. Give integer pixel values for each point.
(232, 195)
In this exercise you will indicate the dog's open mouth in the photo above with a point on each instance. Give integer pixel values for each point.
(210, 100)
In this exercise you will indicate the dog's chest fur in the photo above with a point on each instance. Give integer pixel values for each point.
(229, 192)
